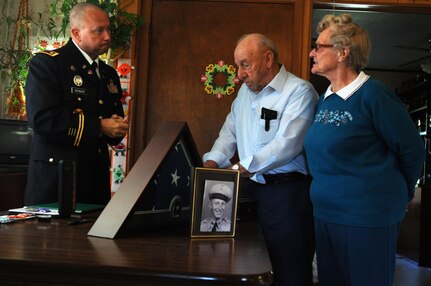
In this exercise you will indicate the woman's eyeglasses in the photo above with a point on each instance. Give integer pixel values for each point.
(319, 46)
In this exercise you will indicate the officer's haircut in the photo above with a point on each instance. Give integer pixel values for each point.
(78, 14)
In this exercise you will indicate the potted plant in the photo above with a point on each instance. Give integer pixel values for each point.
(14, 64)
(14, 56)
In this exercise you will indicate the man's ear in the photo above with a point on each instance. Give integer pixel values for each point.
(269, 57)
(75, 34)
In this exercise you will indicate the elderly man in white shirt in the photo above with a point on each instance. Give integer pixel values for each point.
(267, 125)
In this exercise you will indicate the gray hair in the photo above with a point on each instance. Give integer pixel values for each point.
(346, 34)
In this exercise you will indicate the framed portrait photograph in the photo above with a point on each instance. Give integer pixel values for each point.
(215, 198)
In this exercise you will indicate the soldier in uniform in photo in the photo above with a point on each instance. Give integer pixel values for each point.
(219, 196)
(74, 108)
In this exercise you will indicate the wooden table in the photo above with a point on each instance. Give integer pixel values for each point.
(55, 253)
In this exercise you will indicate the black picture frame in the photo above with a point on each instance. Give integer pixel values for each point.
(205, 180)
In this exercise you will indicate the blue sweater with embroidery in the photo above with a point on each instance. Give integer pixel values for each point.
(365, 156)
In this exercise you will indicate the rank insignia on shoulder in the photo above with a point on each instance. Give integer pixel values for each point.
(112, 88)
(78, 110)
(50, 53)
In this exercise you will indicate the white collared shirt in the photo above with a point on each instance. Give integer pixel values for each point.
(278, 149)
(349, 89)
(88, 58)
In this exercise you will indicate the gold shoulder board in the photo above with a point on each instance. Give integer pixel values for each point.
(50, 53)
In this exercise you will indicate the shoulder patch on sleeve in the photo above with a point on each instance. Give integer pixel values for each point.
(49, 53)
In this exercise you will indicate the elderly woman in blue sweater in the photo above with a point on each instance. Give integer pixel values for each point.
(365, 156)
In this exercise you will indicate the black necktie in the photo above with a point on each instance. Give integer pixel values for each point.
(94, 68)
(214, 229)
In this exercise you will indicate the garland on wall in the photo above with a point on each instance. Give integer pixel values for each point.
(120, 152)
(219, 79)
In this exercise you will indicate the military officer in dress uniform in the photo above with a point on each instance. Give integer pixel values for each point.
(219, 195)
(74, 108)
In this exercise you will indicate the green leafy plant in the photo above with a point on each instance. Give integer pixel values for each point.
(14, 70)
(15, 54)
(14, 64)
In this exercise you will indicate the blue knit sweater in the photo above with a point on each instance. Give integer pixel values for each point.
(365, 156)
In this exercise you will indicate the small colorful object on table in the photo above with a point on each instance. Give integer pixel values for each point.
(15, 217)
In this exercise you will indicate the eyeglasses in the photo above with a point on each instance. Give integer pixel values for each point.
(319, 46)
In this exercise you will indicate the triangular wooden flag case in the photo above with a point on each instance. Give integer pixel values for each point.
(173, 135)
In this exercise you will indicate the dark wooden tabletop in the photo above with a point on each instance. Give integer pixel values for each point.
(62, 254)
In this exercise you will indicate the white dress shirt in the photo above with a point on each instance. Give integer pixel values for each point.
(278, 150)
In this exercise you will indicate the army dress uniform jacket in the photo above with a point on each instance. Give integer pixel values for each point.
(65, 101)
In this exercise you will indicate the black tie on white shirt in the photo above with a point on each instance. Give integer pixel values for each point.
(95, 69)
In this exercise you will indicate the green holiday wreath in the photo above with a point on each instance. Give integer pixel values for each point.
(210, 86)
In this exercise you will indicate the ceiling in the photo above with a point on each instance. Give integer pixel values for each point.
(398, 40)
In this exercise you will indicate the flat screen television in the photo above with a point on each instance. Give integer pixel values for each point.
(158, 189)
(15, 140)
